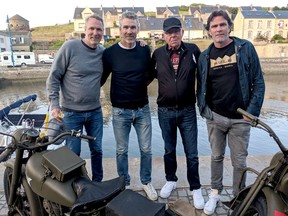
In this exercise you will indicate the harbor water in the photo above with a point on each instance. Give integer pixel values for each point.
(274, 113)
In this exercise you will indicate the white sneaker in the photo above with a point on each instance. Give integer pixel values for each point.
(150, 191)
(167, 189)
(211, 205)
(198, 199)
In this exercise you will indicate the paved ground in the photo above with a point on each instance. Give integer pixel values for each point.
(181, 196)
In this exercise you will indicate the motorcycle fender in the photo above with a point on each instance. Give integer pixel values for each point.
(47, 187)
(274, 201)
(10, 163)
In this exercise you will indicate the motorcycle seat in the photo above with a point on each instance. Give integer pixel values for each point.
(93, 196)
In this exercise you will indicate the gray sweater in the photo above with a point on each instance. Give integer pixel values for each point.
(75, 75)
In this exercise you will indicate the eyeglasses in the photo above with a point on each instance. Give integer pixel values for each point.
(173, 31)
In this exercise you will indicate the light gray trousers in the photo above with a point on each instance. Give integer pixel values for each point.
(235, 133)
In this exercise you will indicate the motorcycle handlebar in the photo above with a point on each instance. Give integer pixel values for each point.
(41, 142)
(5, 154)
(71, 133)
(83, 136)
(248, 115)
(255, 121)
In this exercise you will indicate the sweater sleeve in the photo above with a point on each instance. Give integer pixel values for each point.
(106, 67)
(56, 74)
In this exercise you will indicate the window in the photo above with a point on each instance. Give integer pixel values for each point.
(18, 56)
(259, 24)
(250, 24)
(5, 57)
(269, 24)
(21, 40)
(250, 34)
(268, 34)
(281, 33)
(281, 24)
(13, 40)
(81, 25)
(1, 40)
(26, 57)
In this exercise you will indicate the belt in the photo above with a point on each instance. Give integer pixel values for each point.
(178, 107)
(77, 111)
(131, 107)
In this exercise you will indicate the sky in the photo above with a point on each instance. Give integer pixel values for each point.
(52, 12)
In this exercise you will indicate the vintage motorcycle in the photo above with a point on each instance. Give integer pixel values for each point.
(40, 181)
(268, 195)
(55, 182)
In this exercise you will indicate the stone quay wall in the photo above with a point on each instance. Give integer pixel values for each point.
(270, 66)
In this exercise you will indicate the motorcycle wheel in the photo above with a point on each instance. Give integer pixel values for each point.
(26, 202)
(257, 208)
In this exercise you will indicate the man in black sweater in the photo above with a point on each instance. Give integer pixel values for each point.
(130, 63)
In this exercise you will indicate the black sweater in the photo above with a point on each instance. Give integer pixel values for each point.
(176, 91)
(129, 69)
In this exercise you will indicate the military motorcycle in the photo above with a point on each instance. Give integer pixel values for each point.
(40, 181)
(268, 195)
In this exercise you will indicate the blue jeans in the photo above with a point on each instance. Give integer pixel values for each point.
(185, 119)
(93, 123)
(235, 132)
(140, 118)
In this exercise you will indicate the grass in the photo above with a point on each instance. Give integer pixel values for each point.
(56, 31)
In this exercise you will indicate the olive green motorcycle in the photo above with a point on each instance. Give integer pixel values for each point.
(268, 195)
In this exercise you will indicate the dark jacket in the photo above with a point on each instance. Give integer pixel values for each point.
(250, 77)
(176, 91)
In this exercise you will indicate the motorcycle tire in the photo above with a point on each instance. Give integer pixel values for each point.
(26, 202)
(257, 208)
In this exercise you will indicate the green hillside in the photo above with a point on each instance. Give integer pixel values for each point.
(51, 33)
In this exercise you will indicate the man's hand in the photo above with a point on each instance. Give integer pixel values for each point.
(142, 43)
(57, 114)
(246, 119)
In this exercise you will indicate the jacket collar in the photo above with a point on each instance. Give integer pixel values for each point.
(181, 49)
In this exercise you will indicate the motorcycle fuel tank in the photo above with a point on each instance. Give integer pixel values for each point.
(46, 186)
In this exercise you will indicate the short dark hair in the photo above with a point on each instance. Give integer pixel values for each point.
(129, 15)
(94, 16)
(216, 14)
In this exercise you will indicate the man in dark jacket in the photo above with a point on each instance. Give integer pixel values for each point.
(175, 65)
(229, 77)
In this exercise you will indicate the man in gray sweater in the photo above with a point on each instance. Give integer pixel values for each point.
(73, 88)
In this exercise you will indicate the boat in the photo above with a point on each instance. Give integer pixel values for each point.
(9, 122)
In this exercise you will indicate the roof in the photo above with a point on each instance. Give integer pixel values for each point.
(280, 14)
(161, 10)
(195, 23)
(16, 33)
(78, 12)
(134, 9)
(251, 7)
(18, 17)
(152, 23)
(111, 10)
(257, 14)
(208, 9)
